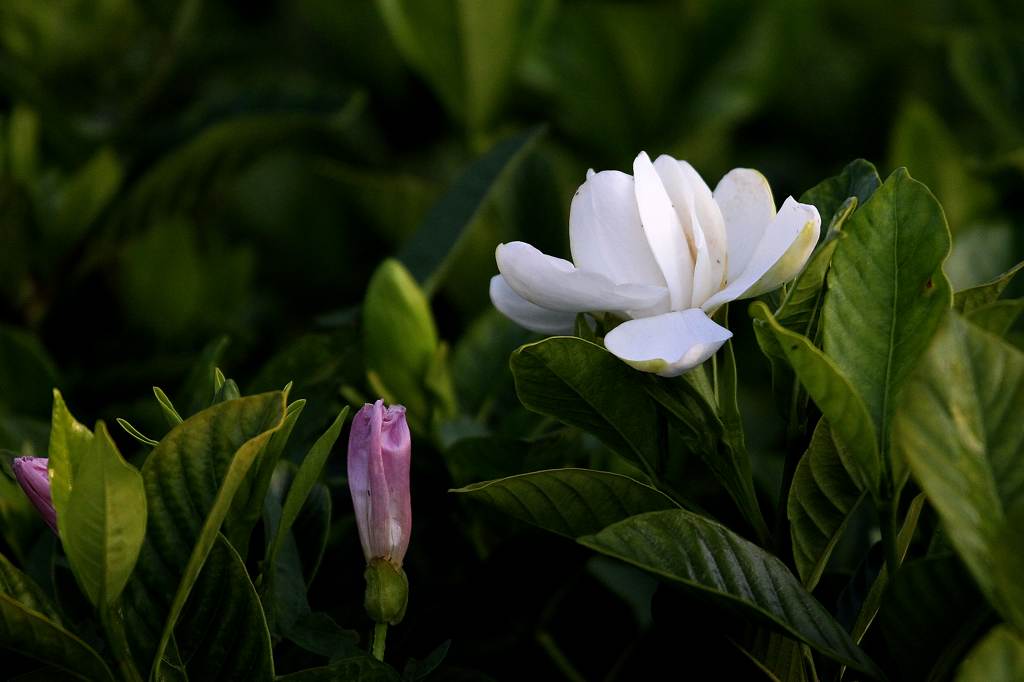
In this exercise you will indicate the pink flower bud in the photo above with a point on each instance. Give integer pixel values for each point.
(379, 451)
(34, 478)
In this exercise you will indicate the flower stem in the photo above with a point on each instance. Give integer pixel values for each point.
(380, 634)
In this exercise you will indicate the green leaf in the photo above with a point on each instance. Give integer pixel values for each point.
(362, 668)
(222, 633)
(28, 632)
(583, 385)
(480, 360)
(306, 477)
(711, 560)
(103, 523)
(195, 482)
(23, 144)
(430, 250)
(570, 502)
(399, 336)
(466, 51)
(25, 591)
(958, 427)
(969, 300)
(848, 416)
(821, 501)
(199, 387)
(997, 317)
(167, 407)
(69, 442)
(858, 179)
(997, 658)
(886, 295)
(135, 433)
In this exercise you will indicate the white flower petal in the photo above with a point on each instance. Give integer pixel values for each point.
(556, 284)
(795, 220)
(668, 344)
(605, 234)
(664, 232)
(526, 314)
(793, 261)
(708, 214)
(747, 206)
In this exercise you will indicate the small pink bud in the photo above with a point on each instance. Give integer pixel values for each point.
(34, 478)
(379, 452)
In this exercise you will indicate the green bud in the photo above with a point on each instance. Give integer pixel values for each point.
(387, 592)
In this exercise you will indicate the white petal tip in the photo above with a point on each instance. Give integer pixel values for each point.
(668, 344)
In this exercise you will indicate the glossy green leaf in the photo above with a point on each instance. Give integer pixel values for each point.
(466, 51)
(958, 427)
(103, 523)
(196, 482)
(399, 336)
(570, 502)
(711, 560)
(306, 477)
(850, 422)
(821, 500)
(362, 668)
(999, 657)
(859, 179)
(30, 633)
(222, 633)
(69, 442)
(583, 385)
(886, 295)
(968, 300)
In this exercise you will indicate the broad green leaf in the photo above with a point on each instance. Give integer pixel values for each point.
(306, 477)
(838, 401)
(399, 337)
(931, 614)
(30, 633)
(570, 502)
(429, 251)
(859, 179)
(706, 557)
(467, 51)
(362, 668)
(103, 523)
(958, 427)
(886, 296)
(27, 374)
(196, 482)
(69, 442)
(969, 300)
(997, 317)
(999, 657)
(222, 633)
(25, 591)
(821, 500)
(583, 385)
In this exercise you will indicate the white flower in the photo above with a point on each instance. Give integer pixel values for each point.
(659, 249)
